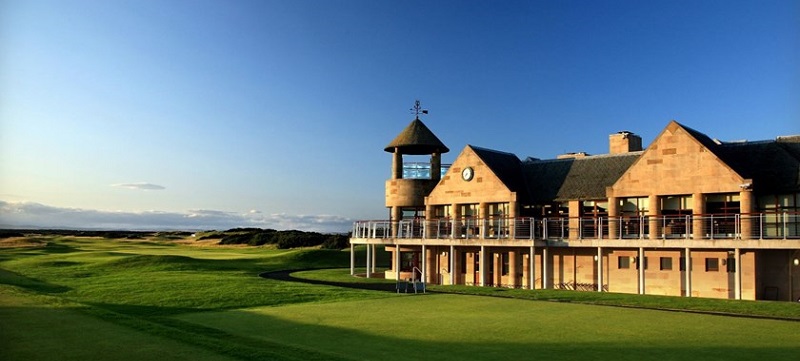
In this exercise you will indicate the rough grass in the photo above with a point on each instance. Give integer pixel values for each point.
(69, 298)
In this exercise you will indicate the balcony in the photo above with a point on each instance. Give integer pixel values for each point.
(738, 226)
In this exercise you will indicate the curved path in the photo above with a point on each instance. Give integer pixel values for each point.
(286, 275)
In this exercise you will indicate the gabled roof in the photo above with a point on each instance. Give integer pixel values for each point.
(505, 166)
(570, 179)
(417, 139)
(773, 165)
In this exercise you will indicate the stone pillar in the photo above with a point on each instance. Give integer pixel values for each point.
(574, 219)
(483, 216)
(456, 220)
(512, 268)
(512, 217)
(457, 279)
(653, 212)
(397, 164)
(374, 259)
(613, 218)
(429, 226)
(698, 212)
(747, 210)
(397, 262)
(525, 284)
(397, 214)
(436, 166)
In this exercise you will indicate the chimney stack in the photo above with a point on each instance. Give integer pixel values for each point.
(624, 142)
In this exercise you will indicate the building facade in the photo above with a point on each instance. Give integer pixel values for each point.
(687, 216)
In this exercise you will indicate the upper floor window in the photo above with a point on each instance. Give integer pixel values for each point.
(677, 205)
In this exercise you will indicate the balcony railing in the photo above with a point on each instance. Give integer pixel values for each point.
(736, 226)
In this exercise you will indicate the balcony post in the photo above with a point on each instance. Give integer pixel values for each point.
(746, 208)
(698, 220)
(654, 211)
(613, 218)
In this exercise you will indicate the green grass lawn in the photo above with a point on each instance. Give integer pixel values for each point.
(103, 299)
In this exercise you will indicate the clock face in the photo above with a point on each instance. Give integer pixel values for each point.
(467, 174)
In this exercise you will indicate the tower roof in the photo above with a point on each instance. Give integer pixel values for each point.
(417, 139)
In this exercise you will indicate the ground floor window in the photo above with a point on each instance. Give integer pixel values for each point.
(666, 263)
(623, 262)
(712, 264)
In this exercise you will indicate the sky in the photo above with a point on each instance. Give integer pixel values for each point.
(153, 114)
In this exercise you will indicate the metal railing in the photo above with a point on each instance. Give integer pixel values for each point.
(710, 226)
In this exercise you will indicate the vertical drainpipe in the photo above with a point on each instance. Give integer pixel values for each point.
(544, 268)
(424, 265)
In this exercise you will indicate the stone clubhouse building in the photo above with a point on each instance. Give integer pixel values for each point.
(687, 216)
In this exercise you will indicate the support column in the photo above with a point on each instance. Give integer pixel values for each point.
(532, 260)
(366, 266)
(575, 220)
(452, 265)
(430, 263)
(698, 211)
(512, 267)
(544, 268)
(352, 259)
(427, 228)
(436, 166)
(512, 218)
(613, 218)
(372, 269)
(599, 269)
(747, 210)
(482, 263)
(641, 271)
(424, 257)
(687, 258)
(397, 262)
(397, 214)
(397, 164)
(653, 211)
(737, 276)
(483, 216)
(497, 268)
(456, 219)
(457, 266)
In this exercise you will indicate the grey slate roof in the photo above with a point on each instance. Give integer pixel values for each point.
(417, 139)
(582, 178)
(506, 166)
(773, 165)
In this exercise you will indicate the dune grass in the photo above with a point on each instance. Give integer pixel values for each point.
(69, 297)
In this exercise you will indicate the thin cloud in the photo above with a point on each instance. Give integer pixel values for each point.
(36, 215)
(141, 186)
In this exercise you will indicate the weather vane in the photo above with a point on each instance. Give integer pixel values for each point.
(417, 109)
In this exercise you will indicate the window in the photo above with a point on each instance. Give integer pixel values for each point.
(731, 265)
(666, 263)
(504, 271)
(712, 264)
(623, 262)
(682, 262)
(463, 265)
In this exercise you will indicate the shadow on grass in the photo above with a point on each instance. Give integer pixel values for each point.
(15, 279)
(350, 343)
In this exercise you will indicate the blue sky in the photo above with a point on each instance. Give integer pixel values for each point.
(209, 114)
